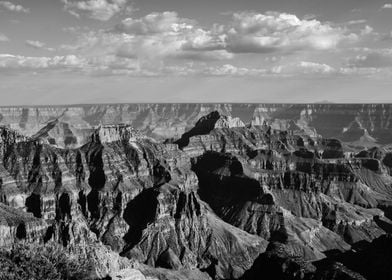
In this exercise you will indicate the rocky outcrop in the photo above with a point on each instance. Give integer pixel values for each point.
(278, 262)
(179, 231)
(206, 124)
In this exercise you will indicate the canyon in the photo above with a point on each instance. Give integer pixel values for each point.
(203, 191)
(363, 125)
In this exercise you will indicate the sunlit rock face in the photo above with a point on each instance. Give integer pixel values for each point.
(223, 199)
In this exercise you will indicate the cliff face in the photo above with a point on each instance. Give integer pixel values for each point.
(206, 206)
(361, 125)
(128, 192)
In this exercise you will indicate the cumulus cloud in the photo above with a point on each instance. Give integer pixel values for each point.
(387, 6)
(3, 38)
(230, 70)
(107, 64)
(155, 23)
(273, 31)
(97, 9)
(167, 36)
(38, 45)
(164, 43)
(290, 69)
(160, 37)
(367, 30)
(303, 67)
(13, 7)
(27, 62)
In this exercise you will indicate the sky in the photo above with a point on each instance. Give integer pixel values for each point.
(113, 51)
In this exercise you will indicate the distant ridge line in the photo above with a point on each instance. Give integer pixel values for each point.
(191, 103)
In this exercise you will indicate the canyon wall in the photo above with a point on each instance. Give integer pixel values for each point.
(359, 124)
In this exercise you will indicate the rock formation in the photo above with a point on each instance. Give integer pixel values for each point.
(363, 125)
(224, 200)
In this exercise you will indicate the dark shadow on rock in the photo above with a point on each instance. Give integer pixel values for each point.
(138, 214)
(82, 201)
(169, 260)
(33, 205)
(49, 234)
(202, 127)
(64, 207)
(97, 176)
(222, 181)
(21, 231)
(93, 204)
(161, 174)
(371, 259)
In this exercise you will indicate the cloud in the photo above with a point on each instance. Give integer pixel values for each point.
(163, 43)
(155, 23)
(102, 10)
(35, 44)
(358, 21)
(114, 65)
(387, 6)
(230, 70)
(303, 67)
(291, 69)
(3, 38)
(161, 37)
(374, 73)
(381, 58)
(13, 7)
(167, 36)
(26, 62)
(367, 30)
(273, 31)
(38, 45)
(97, 65)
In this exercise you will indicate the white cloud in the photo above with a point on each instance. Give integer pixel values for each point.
(230, 70)
(303, 67)
(387, 6)
(357, 21)
(27, 62)
(271, 32)
(108, 64)
(35, 44)
(367, 30)
(155, 23)
(97, 9)
(167, 36)
(38, 45)
(368, 72)
(13, 7)
(3, 38)
(165, 44)
(157, 38)
(372, 58)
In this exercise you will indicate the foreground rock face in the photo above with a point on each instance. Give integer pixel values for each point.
(223, 201)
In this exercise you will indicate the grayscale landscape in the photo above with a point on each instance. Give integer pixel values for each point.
(195, 140)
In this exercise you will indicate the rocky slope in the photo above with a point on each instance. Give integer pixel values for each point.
(224, 200)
